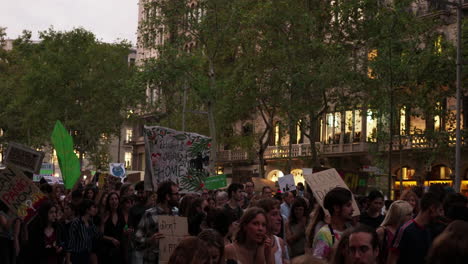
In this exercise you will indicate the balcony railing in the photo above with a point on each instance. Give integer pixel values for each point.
(233, 155)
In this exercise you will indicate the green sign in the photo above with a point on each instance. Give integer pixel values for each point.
(215, 182)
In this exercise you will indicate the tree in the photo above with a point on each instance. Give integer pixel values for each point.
(72, 77)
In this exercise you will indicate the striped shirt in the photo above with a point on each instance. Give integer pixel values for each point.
(147, 227)
(82, 237)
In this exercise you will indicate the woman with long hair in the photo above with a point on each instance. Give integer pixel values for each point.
(190, 250)
(112, 227)
(45, 236)
(295, 228)
(317, 221)
(412, 198)
(252, 245)
(399, 213)
(215, 244)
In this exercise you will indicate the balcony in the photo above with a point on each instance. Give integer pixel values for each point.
(233, 156)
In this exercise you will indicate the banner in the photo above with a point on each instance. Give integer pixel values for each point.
(286, 183)
(23, 158)
(174, 229)
(322, 182)
(180, 157)
(20, 194)
(117, 169)
(216, 182)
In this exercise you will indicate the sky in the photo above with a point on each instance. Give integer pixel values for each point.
(109, 20)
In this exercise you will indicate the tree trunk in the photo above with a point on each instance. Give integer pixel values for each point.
(214, 143)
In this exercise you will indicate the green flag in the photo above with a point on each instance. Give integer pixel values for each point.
(68, 161)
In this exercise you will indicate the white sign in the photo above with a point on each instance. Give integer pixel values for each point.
(24, 158)
(286, 183)
(322, 182)
(117, 169)
(180, 157)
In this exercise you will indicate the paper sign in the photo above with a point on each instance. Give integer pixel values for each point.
(47, 169)
(180, 157)
(286, 183)
(322, 182)
(174, 229)
(215, 182)
(306, 171)
(117, 169)
(20, 194)
(23, 158)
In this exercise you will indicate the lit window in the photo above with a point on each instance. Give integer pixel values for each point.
(277, 134)
(128, 159)
(402, 120)
(371, 57)
(438, 44)
(371, 134)
(128, 135)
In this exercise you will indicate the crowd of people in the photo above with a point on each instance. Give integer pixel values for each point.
(238, 225)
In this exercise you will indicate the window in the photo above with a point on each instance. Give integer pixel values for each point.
(278, 134)
(438, 45)
(128, 160)
(128, 135)
(406, 172)
(371, 57)
(332, 128)
(403, 120)
(371, 127)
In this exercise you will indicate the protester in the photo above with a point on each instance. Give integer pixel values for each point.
(90, 192)
(235, 196)
(223, 223)
(196, 216)
(295, 228)
(373, 216)
(338, 202)
(127, 189)
(211, 203)
(412, 199)
(339, 254)
(271, 207)
(249, 193)
(399, 213)
(266, 192)
(222, 198)
(7, 251)
(185, 204)
(82, 234)
(413, 239)
(147, 235)
(190, 250)
(252, 244)
(451, 246)
(112, 227)
(140, 206)
(456, 207)
(288, 198)
(215, 244)
(317, 221)
(45, 238)
(363, 247)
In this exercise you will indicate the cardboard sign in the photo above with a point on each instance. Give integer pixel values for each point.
(322, 182)
(216, 182)
(20, 194)
(180, 157)
(286, 183)
(174, 229)
(24, 158)
(117, 169)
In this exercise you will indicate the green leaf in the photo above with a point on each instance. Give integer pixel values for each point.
(68, 161)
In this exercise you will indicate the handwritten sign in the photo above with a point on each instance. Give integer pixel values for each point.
(286, 183)
(180, 157)
(322, 182)
(174, 229)
(24, 158)
(20, 194)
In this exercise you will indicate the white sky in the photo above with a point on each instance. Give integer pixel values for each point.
(109, 20)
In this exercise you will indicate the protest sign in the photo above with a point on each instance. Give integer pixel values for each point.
(20, 194)
(215, 182)
(174, 229)
(286, 183)
(322, 182)
(47, 169)
(23, 158)
(117, 169)
(177, 156)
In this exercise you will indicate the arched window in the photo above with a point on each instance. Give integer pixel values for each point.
(406, 172)
(440, 172)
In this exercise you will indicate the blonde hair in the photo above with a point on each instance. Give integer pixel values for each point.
(397, 212)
